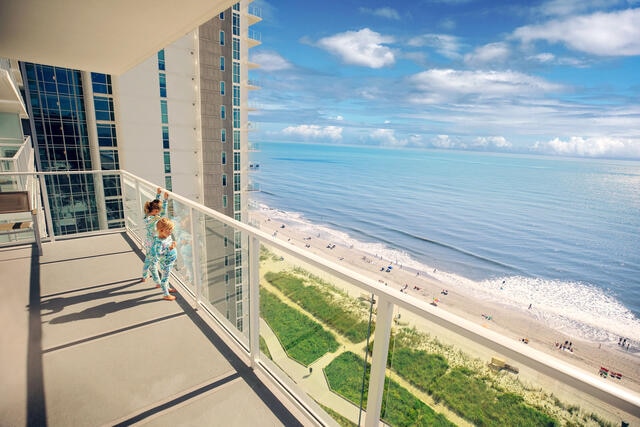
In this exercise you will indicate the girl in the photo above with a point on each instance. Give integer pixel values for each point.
(153, 211)
(163, 252)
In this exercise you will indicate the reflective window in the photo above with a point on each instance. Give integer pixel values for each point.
(224, 180)
(223, 158)
(222, 88)
(101, 83)
(223, 135)
(163, 85)
(161, 65)
(164, 111)
(221, 38)
(222, 63)
(223, 112)
(165, 137)
(167, 162)
(104, 108)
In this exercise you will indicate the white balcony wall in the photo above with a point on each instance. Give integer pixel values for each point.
(139, 130)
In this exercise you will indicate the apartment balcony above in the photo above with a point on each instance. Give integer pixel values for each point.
(254, 14)
(255, 38)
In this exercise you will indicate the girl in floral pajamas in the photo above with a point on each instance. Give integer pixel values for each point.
(163, 253)
(153, 211)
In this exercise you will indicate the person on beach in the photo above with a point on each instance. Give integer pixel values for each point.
(153, 211)
(163, 254)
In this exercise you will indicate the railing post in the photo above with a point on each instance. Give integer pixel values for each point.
(195, 257)
(140, 231)
(36, 230)
(254, 300)
(384, 319)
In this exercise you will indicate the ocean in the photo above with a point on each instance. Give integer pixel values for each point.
(561, 234)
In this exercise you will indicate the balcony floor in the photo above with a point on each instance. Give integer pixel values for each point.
(86, 344)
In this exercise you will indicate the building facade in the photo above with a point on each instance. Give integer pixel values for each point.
(179, 119)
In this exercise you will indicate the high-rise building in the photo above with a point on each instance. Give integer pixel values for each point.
(72, 126)
(178, 119)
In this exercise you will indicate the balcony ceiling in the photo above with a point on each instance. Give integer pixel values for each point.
(104, 36)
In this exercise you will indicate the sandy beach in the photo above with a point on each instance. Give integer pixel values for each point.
(517, 323)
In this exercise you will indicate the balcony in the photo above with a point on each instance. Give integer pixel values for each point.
(246, 342)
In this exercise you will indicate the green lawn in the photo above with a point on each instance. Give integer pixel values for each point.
(302, 338)
(340, 313)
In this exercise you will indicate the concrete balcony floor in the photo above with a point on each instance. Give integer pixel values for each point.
(86, 344)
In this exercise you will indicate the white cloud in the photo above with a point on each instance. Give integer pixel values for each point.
(443, 141)
(604, 34)
(446, 45)
(438, 85)
(383, 12)
(544, 57)
(270, 61)
(363, 47)
(591, 147)
(387, 137)
(314, 131)
(492, 142)
(488, 54)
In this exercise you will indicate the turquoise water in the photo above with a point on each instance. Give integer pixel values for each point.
(561, 234)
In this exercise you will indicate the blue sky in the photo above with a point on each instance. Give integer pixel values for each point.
(559, 77)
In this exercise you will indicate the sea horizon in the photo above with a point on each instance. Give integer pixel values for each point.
(555, 233)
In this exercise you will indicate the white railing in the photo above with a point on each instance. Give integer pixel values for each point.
(227, 267)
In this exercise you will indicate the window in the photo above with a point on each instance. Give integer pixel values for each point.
(163, 85)
(224, 201)
(165, 137)
(236, 72)
(221, 16)
(236, 182)
(222, 63)
(167, 162)
(167, 183)
(236, 118)
(164, 111)
(106, 135)
(221, 38)
(222, 88)
(223, 112)
(224, 158)
(236, 162)
(236, 49)
(104, 108)
(236, 95)
(235, 23)
(109, 159)
(223, 135)
(161, 60)
(101, 82)
(224, 180)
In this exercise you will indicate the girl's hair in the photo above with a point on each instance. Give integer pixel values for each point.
(151, 205)
(164, 223)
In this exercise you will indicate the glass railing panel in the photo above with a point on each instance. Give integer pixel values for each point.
(223, 274)
(441, 377)
(315, 327)
(182, 235)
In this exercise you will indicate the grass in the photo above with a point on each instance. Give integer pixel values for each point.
(462, 383)
(400, 407)
(324, 303)
(302, 338)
